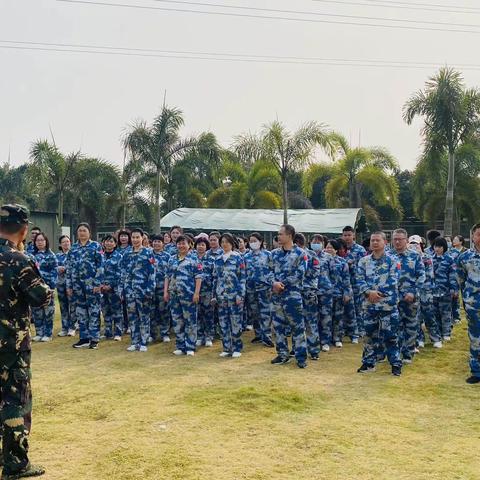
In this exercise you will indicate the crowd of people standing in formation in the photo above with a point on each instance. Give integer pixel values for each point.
(315, 293)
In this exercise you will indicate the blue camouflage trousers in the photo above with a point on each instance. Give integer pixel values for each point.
(139, 311)
(259, 313)
(381, 332)
(160, 320)
(325, 305)
(87, 311)
(43, 319)
(112, 314)
(408, 329)
(456, 309)
(338, 329)
(205, 318)
(443, 315)
(287, 314)
(67, 308)
(310, 315)
(427, 316)
(230, 316)
(184, 321)
(473, 318)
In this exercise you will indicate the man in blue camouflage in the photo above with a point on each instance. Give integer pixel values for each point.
(468, 272)
(377, 281)
(289, 266)
(410, 283)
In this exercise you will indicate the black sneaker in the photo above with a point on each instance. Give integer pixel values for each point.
(366, 369)
(292, 352)
(279, 360)
(314, 357)
(29, 471)
(473, 380)
(268, 343)
(82, 343)
(396, 371)
(93, 345)
(302, 364)
(256, 340)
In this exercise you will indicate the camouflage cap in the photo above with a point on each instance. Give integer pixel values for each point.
(14, 214)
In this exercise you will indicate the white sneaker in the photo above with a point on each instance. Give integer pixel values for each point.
(71, 333)
(150, 340)
(132, 348)
(437, 345)
(117, 338)
(236, 354)
(224, 354)
(355, 340)
(142, 348)
(178, 352)
(447, 338)
(339, 344)
(249, 328)
(190, 353)
(36, 338)
(325, 348)
(62, 333)
(416, 350)
(421, 344)
(166, 339)
(103, 337)
(46, 339)
(407, 361)
(198, 343)
(208, 343)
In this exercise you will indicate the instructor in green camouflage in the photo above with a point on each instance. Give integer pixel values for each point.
(21, 287)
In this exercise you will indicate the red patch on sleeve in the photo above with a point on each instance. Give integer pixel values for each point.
(316, 262)
(242, 265)
(101, 252)
(305, 257)
(152, 261)
(199, 266)
(399, 266)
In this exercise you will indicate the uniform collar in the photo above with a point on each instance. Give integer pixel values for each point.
(4, 241)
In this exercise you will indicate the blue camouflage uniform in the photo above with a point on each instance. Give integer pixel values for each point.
(213, 254)
(426, 311)
(171, 249)
(259, 293)
(160, 322)
(324, 296)
(353, 309)
(411, 277)
(445, 286)
(111, 300)
(67, 307)
(381, 320)
(342, 288)
(310, 300)
(182, 274)
(138, 286)
(205, 318)
(289, 268)
(123, 251)
(468, 272)
(229, 284)
(454, 253)
(43, 316)
(84, 272)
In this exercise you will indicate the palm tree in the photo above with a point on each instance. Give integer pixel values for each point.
(286, 151)
(259, 187)
(53, 172)
(156, 149)
(355, 176)
(452, 116)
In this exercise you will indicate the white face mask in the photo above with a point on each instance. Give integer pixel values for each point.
(255, 246)
(317, 247)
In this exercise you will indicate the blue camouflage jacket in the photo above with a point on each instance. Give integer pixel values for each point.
(161, 267)
(207, 263)
(182, 273)
(111, 270)
(123, 251)
(380, 274)
(411, 273)
(259, 270)
(353, 256)
(313, 272)
(445, 275)
(61, 260)
(84, 265)
(47, 264)
(327, 269)
(229, 278)
(289, 267)
(171, 249)
(468, 273)
(342, 286)
(138, 273)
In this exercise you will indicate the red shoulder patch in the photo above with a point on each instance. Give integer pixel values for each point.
(399, 266)
(152, 260)
(199, 266)
(316, 262)
(305, 257)
(242, 265)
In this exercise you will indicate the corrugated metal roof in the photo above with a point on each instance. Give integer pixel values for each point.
(242, 220)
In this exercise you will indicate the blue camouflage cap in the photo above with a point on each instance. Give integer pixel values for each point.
(14, 214)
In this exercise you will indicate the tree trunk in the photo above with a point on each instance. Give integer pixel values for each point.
(157, 204)
(448, 221)
(352, 194)
(60, 211)
(285, 198)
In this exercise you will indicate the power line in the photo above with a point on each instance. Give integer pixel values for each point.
(305, 20)
(474, 10)
(425, 4)
(217, 56)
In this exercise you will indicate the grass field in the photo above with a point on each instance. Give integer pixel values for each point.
(111, 414)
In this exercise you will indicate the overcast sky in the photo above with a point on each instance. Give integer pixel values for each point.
(89, 99)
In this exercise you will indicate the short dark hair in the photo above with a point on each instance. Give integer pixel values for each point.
(441, 242)
(342, 244)
(348, 228)
(127, 233)
(215, 233)
(258, 236)
(275, 238)
(299, 239)
(84, 224)
(47, 242)
(109, 237)
(335, 244)
(289, 229)
(37, 229)
(432, 235)
(176, 227)
(62, 237)
(11, 228)
(320, 238)
(461, 238)
(157, 237)
(137, 230)
(182, 238)
(202, 240)
(230, 239)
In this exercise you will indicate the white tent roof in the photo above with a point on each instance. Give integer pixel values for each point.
(243, 220)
